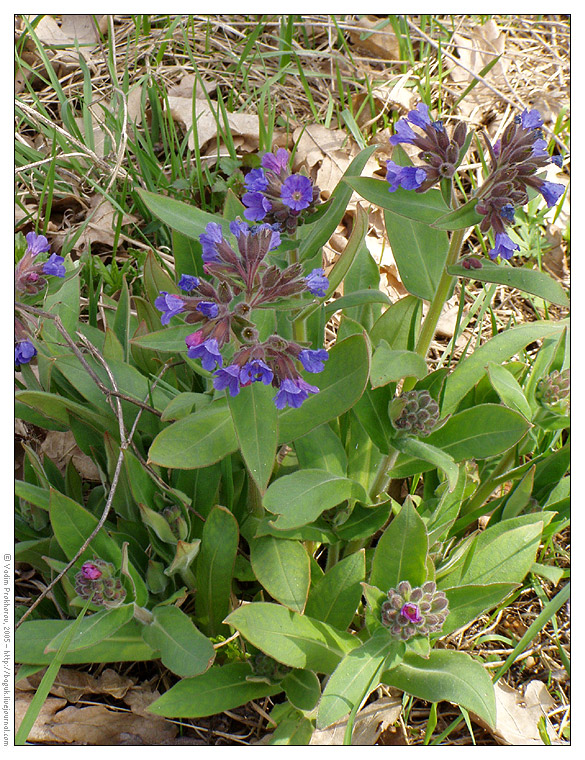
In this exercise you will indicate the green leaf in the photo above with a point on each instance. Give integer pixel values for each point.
(156, 279)
(184, 650)
(299, 498)
(420, 253)
(322, 449)
(468, 602)
(283, 568)
(447, 675)
(335, 597)
(425, 208)
(215, 566)
(255, 419)
(182, 217)
(121, 324)
(341, 383)
(303, 689)
(125, 645)
(531, 281)
(519, 498)
(390, 366)
(399, 324)
(213, 692)
(421, 450)
(294, 640)
(170, 340)
(94, 629)
(372, 412)
(355, 677)
(158, 524)
(460, 219)
(201, 439)
(508, 389)
(357, 298)
(498, 349)
(364, 522)
(295, 730)
(32, 494)
(401, 552)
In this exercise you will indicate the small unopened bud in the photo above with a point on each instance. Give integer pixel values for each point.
(96, 581)
(415, 412)
(554, 388)
(416, 611)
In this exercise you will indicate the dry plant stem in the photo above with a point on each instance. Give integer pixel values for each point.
(125, 442)
(71, 343)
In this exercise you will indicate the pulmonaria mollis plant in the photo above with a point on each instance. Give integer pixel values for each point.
(97, 581)
(277, 195)
(244, 280)
(417, 611)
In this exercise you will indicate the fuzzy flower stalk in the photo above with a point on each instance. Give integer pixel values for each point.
(410, 612)
(242, 280)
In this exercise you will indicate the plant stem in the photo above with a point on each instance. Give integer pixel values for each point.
(299, 326)
(486, 489)
(382, 478)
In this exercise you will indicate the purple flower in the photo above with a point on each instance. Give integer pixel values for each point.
(54, 266)
(275, 162)
(557, 159)
(170, 305)
(550, 191)
(255, 371)
(209, 240)
(208, 309)
(407, 177)
(239, 228)
(297, 192)
(504, 247)
(256, 181)
(404, 134)
(37, 243)
(188, 282)
(411, 612)
(539, 149)
(257, 206)
(293, 393)
(507, 212)
(24, 351)
(90, 571)
(317, 283)
(312, 361)
(531, 119)
(208, 352)
(228, 378)
(420, 116)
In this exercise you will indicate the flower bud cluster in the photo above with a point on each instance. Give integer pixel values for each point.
(416, 611)
(277, 195)
(440, 153)
(415, 412)
(515, 160)
(245, 281)
(28, 276)
(96, 580)
(265, 667)
(554, 388)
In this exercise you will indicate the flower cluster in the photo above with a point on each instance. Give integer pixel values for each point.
(553, 388)
(24, 350)
(96, 580)
(28, 276)
(439, 152)
(246, 280)
(415, 412)
(515, 160)
(277, 195)
(416, 611)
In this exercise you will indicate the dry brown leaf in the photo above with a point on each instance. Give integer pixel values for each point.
(100, 228)
(72, 685)
(517, 714)
(184, 88)
(554, 260)
(240, 124)
(369, 724)
(62, 447)
(381, 43)
(40, 731)
(80, 27)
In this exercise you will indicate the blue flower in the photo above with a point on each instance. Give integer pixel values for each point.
(550, 191)
(23, 352)
(404, 134)
(256, 181)
(312, 361)
(407, 177)
(539, 149)
(317, 283)
(228, 378)
(557, 159)
(239, 228)
(297, 192)
(504, 247)
(208, 308)
(293, 392)
(37, 243)
(208, 352)
(188, 282)
(420, 116)
(531, 119)
(54, 266)
(170, 305)
(257, 206)
(255, 371)
(507, 212)
(209, 240)
(275, 162)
